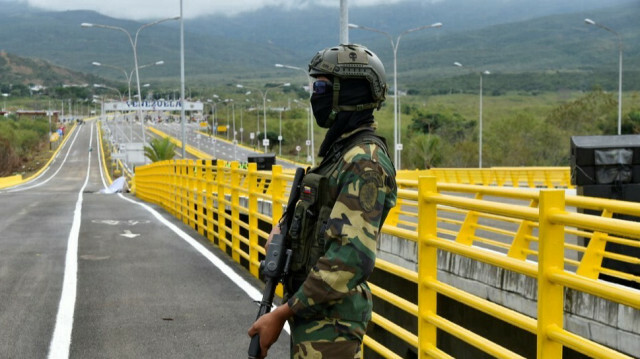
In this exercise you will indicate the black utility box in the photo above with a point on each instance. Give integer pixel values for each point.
(609, 167)
(605, 159)
(264, 162)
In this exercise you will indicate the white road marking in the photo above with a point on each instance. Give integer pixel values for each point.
(251, 291)
(245, 286)
(127, 233)
(61, 339)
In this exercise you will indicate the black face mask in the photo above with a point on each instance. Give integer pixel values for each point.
(321, 105)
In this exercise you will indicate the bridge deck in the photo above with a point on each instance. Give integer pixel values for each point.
(110, 277)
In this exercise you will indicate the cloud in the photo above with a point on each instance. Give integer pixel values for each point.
(150, 9)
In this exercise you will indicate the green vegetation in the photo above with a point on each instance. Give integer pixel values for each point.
(160, 149)
(21, 140)
(519, 130)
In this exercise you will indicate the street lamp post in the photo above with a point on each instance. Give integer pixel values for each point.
(134, 44)
(619, 37)
(310, 87)
(307, 108)
(394, 46)
(129, 75)
(102, 107)
(110, 88)
(241, 126)
(233, 126)
(265, 141)
(480, 111)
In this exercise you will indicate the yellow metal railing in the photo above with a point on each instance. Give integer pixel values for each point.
(533, 177)
(533, 233)
(109, 166)
(553, 220)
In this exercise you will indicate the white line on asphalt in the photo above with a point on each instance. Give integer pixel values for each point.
(253, 293)
(61, 339)
(249, 289)
(53, 175)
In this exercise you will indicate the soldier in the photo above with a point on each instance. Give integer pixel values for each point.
(343, 204)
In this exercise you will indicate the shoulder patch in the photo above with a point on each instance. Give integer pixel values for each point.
(368, 195)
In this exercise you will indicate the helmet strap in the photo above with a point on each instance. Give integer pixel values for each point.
(335, 108)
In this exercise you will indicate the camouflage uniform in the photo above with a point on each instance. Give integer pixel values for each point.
(333, 305)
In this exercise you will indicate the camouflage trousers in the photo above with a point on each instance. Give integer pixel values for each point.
(326, 338)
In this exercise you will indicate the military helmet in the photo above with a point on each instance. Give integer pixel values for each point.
(352, 62)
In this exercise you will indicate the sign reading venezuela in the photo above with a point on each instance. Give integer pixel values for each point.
(153, 105)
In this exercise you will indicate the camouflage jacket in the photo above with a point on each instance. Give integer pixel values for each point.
(364, 189)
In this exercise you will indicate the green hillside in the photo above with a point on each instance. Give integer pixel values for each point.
(18, 70)
(539, 54)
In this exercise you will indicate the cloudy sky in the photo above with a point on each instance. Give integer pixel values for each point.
(147, 9)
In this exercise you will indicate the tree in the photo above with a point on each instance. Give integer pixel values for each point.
(425, 152)
(523, 140)
(445, 122)
(160, 149)
(441, 136)
(591, 114)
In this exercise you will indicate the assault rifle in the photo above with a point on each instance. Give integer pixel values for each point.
(275, 265)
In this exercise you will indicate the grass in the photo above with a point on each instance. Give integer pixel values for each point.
(495, 108)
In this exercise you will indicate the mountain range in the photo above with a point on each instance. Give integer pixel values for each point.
(504, 36)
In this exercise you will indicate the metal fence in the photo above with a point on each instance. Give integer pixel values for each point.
(535, 233)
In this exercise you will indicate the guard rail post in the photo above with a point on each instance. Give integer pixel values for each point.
(521, 240)
(235, 212)
(172, 190)
(254, 264)
(181, 190)
(209, 180)
(191, 193)
(468, 227)
(277, 193)
(221, 207)
(550, 261)
(200, 195)
(427, 264)
(184, 186)
(591, 262)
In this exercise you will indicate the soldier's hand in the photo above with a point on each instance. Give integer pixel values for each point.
(269, 327)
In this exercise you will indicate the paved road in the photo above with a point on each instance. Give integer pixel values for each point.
(217, 148)
(91, 275)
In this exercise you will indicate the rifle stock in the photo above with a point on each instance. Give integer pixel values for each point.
(276, 263)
